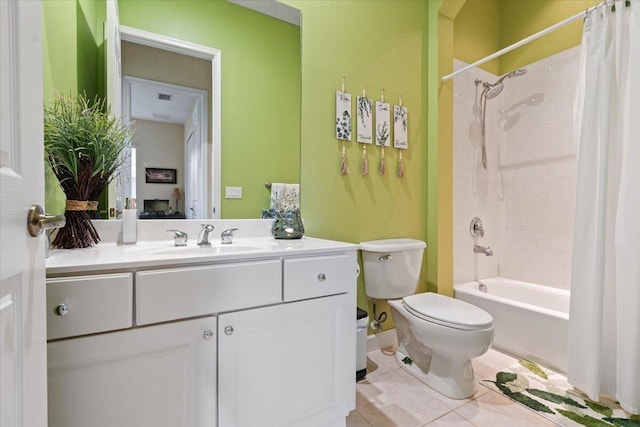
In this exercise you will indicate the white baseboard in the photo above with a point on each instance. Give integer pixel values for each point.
(383, 339)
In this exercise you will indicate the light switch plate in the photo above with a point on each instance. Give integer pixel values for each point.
(233, 192)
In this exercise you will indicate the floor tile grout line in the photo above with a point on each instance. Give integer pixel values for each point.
(441, 416)
(364, 419)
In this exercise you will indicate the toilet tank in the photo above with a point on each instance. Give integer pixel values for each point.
(391, 267)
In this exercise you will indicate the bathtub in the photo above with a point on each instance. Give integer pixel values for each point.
(531, 321)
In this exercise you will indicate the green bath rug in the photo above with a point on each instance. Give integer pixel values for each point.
(549, 394)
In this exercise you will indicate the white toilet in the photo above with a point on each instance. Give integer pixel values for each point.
(439, 334)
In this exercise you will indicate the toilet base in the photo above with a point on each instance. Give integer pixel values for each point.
(448, 375)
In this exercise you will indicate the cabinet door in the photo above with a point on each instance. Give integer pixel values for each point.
(154, 376)
(287, 365)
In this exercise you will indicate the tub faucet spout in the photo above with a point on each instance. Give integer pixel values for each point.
(483, 250)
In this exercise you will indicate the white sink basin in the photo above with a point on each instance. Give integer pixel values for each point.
(206, 250)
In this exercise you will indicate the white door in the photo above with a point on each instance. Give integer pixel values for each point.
(195, 195)
(287, 365)
(23, 375)
(153, 376)
(113, 60)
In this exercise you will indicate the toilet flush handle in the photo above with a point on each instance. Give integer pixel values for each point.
(386, 257)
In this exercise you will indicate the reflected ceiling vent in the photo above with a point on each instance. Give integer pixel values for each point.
(164, 97)
(161, 116)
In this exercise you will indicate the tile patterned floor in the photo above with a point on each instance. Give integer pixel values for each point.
(391, 397)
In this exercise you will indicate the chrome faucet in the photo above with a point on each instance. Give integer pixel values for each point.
(227, 236)
(203, 236)
(483, 250)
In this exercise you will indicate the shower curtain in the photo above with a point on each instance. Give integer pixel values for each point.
(604, 325)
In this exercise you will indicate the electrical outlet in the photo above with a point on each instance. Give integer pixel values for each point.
(233, 192)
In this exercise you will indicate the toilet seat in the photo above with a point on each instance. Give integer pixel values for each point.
(447, 311)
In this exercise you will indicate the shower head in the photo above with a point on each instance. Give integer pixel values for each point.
(493, 90)
(515, 73)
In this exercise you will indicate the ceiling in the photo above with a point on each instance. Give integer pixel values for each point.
(147, 105)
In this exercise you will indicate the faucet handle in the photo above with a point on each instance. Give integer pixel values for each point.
(476, 228)
(227, 236)
(179, 237)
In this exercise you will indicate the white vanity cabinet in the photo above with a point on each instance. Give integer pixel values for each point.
(162, 375)
(287, 365)
(292, 364)
(264, 341)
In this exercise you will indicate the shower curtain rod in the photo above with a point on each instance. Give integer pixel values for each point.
(528, 39)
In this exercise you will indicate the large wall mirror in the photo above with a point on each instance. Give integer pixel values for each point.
(212, 90)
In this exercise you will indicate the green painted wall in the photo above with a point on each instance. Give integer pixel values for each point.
(260, 89)
(373, 43)
(72, 41)
(477, 32)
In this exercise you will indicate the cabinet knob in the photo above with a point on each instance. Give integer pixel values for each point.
(62, 310)
(228, 330)
(207, 335)
(322, 277)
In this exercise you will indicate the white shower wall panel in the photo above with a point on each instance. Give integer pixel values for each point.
(474, 189)
(526, 197)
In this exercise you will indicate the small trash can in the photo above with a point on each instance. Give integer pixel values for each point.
(362, 322)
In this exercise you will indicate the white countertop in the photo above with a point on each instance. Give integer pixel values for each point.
(113, 256)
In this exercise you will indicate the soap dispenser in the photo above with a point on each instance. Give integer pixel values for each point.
(130, 222)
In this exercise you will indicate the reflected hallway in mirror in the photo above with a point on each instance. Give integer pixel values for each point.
(166, 97)
(170, 128)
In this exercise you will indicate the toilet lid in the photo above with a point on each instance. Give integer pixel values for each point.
(447, 311)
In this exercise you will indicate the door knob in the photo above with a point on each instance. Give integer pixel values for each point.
(37, 221)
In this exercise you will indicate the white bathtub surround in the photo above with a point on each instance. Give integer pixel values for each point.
(604, 332)
(530, 320)
(526, 196)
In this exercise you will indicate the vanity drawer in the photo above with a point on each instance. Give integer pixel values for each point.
(318, 276)
(89, 304)
(178, 293)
